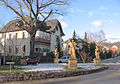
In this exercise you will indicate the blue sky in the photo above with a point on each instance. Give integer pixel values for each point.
(92, 16)
(86, 16)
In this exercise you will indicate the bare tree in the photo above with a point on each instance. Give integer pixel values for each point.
(84, 55)
(33, 9)
(1, 23)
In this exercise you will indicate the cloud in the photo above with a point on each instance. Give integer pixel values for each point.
(80, 11)
(103, 8)
(64, 24)
(116, 14)
(111, 21)
(112, 38)
(97, 23)
(90, 14)
(71, 10)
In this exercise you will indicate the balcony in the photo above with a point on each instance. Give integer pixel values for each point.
(40, 40)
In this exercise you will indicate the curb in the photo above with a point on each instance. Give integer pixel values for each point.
(11, 77)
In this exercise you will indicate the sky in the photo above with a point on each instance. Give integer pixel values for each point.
(86, 16)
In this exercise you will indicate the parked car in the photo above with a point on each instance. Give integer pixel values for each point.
(64, 59)
(32, 61)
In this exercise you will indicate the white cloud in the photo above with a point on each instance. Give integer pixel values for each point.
(112, 38)
(64, 24)
(116, 14)
(111, 21)
(71, 10)
(103, 8)
(80, 11)
(90, 14)
(97, 23)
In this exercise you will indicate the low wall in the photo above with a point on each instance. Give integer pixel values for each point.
(9, 77)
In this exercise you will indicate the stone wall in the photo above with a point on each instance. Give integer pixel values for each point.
(9, 77)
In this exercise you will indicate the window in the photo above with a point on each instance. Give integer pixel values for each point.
(40, 50)
(10, 49)
(2, 35)
(16, 35)
(16, 50)
(56, 28)
(36, 50)
(44, 50)
(23, 35)
(48, 50)
(10, 36)
(23, 49)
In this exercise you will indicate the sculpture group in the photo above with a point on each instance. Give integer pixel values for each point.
(72, 61)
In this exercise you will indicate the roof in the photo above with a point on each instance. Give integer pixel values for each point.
(117, 44)
(49, 26)
(10, 26)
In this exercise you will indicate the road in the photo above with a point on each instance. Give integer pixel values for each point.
(110, 76)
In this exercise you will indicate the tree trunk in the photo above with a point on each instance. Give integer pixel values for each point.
(32, 45)
(83, 59)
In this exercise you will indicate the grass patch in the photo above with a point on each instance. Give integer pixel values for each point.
(103, 65)
(6, 69)
(70, 69)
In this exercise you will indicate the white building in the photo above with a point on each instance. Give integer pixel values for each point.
(14, 40)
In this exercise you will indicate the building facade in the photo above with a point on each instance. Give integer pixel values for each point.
(16, 42)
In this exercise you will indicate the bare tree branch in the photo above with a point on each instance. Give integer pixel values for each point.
(48, 3)
(7, 5)
(41, 14)
(27, 7)
(37, 7)
(30, 4)
(20, 7)
(48, 15)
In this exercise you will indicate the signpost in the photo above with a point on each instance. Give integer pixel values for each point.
(10, 63)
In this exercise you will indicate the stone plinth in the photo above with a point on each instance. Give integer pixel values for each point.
(96, 61)
(23, 61)
(56, 60)
(72, 63)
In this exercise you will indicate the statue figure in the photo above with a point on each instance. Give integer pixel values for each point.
(56, 52)
(97, 52)
(22, 50)
(72, 49)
